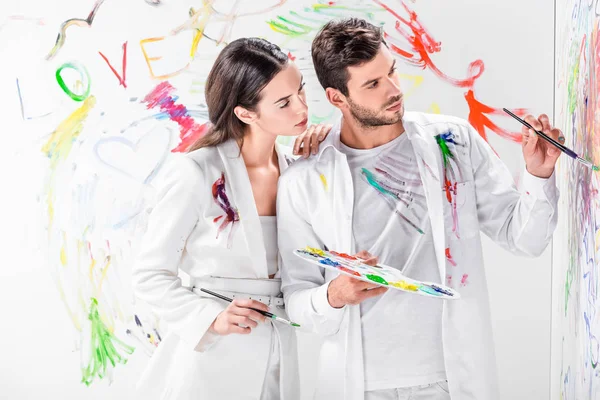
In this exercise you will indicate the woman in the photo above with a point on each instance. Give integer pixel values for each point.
(215, 220)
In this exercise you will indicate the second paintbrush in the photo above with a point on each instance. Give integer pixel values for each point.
(265, 313)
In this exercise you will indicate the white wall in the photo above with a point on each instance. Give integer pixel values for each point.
(37, 340)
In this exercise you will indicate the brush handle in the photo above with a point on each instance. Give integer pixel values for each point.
(547, 138)
(265, 313)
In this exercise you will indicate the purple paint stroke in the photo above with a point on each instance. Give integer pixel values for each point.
(231, 214)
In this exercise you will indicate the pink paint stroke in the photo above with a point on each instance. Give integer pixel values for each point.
(189, 131)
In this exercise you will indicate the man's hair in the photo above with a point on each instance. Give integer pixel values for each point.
(341, 44)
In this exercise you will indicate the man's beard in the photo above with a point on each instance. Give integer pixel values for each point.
(369, 118)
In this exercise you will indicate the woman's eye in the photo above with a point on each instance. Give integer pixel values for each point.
(285, 104)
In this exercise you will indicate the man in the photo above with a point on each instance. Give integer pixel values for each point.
(415, 190)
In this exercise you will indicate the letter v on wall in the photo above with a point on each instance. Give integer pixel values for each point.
(121, 77)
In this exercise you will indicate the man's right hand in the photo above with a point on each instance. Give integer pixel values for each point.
(346, 290)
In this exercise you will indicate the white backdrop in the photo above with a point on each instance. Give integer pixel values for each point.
(75, 193)
(575, 317)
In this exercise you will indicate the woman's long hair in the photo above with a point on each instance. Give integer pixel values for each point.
(242, 69)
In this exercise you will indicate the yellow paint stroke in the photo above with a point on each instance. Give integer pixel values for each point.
(150, 59)
(63, 251)
(205, 12)
(104, 272)
(50, 202)
(324, 180)
(92, 266)
(434, 108)
(74, 318)
(60, 143)
(415, 82)
(405, 285)
(315, 251)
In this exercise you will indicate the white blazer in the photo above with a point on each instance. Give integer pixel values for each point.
(314, 208)
(206, 224)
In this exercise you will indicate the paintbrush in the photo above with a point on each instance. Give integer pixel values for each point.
(553, 142)
(265, 313)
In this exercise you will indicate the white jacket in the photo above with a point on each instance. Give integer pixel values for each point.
(183, 234)
(314, 208)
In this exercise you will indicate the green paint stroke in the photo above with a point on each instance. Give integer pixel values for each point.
(569, 282)
(373, 182)
(316, 119)
(84, 76)
(295, 25)
(105, 348)
(279, 25)
(442, 141)
(377, 278)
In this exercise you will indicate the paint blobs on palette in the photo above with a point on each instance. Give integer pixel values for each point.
(328, 261)
(405, 285)
(381, 275)
(377, 278)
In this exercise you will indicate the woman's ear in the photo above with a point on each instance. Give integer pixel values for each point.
(244, 115)
(336, 98)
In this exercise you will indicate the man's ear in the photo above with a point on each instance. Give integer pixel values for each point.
(336, 98)
(244, 115)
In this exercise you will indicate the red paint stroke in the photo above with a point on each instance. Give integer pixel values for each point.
(422, 46)
(449, 280)
(344, 255)
(449, 257)
(479, 120)
(189, 130)
(445, 141)
(463, 281)
(123, 68)
(231, 214)
(291, 56)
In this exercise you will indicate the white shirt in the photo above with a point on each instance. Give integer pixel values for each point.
(269, 232)
(314, 208)
(401, 332)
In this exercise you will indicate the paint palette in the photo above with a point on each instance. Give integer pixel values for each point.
(381, 275)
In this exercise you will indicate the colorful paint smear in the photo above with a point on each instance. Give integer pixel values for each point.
(58, 147)
(380, 274)
(163, 98)
(577, 253)
(445, 141)
(306, 23)
(62, 33)
(389, 195)
(231, 214)
(422, 46)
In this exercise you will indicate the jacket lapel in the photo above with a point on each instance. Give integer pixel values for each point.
(427, 151)
(238, 183)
